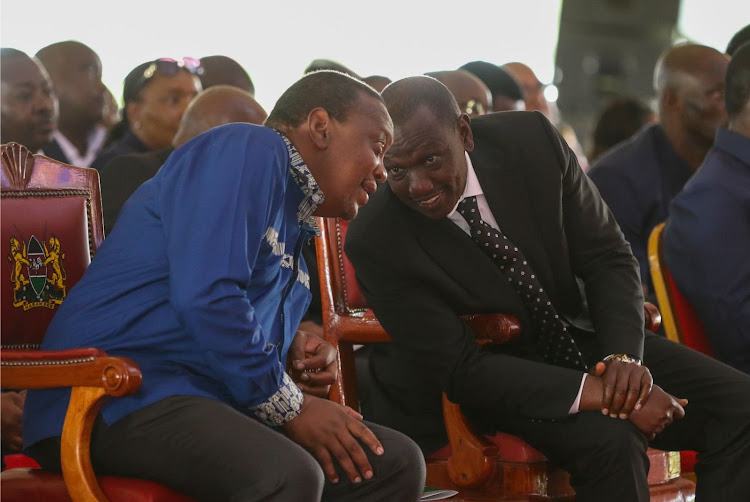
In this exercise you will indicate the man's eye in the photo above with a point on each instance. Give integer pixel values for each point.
(395, 172)
(430, 159)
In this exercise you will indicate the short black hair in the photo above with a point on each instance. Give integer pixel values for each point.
(220, 69)
(9, 52)
(335, 92)
(404, 97)
(737, 86)
(329, 64)
(499, 81)
(622, 117)
(738, 40)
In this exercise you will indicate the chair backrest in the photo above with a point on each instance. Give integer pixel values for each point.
(347, 319)
(51, 227)
(681, 323)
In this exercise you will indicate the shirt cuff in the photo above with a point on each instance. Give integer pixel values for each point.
(282, 406)
(577, 402)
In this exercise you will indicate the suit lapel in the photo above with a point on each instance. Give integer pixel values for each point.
(514, 203)
(460, 258)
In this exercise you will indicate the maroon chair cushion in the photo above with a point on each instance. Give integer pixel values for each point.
(24, 485)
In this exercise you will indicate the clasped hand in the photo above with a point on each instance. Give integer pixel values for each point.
(313, 362)
(629, 393)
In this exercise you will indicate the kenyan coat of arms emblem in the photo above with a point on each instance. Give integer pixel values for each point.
(38, 275)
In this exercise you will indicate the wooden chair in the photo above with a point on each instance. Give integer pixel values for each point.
(52, 227)
(681, 323)
(502, 467)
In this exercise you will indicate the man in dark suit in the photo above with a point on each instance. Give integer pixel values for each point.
(221, 104)
(573, 386)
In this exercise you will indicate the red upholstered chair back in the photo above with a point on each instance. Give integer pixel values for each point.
(51, 228)
(347, 319)
(681, 323)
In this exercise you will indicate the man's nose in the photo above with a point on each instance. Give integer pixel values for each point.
(380, 173)
(419, 184)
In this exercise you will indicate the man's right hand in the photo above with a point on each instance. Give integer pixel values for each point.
(329, 430)
(658, 412)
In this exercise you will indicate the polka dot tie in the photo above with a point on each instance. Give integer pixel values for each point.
(553, 337)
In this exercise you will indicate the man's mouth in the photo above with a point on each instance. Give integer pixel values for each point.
(429, 202)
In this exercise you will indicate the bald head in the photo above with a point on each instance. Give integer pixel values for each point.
(404, 97)
(473, 96)
(223, 70)
(533, 89)
(76, 72)
(683, 61)
(218, 105)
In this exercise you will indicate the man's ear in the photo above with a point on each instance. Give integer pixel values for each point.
(319, 127)
(464, 130)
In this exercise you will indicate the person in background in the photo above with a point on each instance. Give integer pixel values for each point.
(533, 89)
(155, 95)
(223, 70)
(377, 82)
(328, 64)
(28, 105)
(473, 97)
(506, 93)
(76, 73)
(620, 119)
(737, 40)
(707, 235)
(639, 178)
(220, 104)
(202, 285)
(111, 114)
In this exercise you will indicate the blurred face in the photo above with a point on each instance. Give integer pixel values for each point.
(155, 116)
(427, 165)
(701, 98)
(350, 168)
(502, 103)
(28, 106)
(79, 87)
(533, 90)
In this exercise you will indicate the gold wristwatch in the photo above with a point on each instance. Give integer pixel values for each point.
(625, 358)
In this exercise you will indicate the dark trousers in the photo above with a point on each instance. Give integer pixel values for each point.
(607, 457)
(211, 452)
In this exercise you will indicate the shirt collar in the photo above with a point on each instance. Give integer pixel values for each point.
(472, 188)
(313, 195)
(95, 142)
(734, 144)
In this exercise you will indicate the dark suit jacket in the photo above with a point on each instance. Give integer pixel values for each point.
(419, 275)
(122, 175)
(53, 151)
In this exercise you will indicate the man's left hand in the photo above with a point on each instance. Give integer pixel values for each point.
(313, 362)
(626, 387)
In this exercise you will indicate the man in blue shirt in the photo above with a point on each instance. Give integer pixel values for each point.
(202, 284)
(707, 236)
(640, 177)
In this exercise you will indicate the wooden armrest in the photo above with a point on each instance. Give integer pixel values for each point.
(473, 458)
(93, 376)
(651, 317)
(493, 328)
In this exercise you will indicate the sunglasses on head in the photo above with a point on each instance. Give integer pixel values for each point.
(169, 67)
